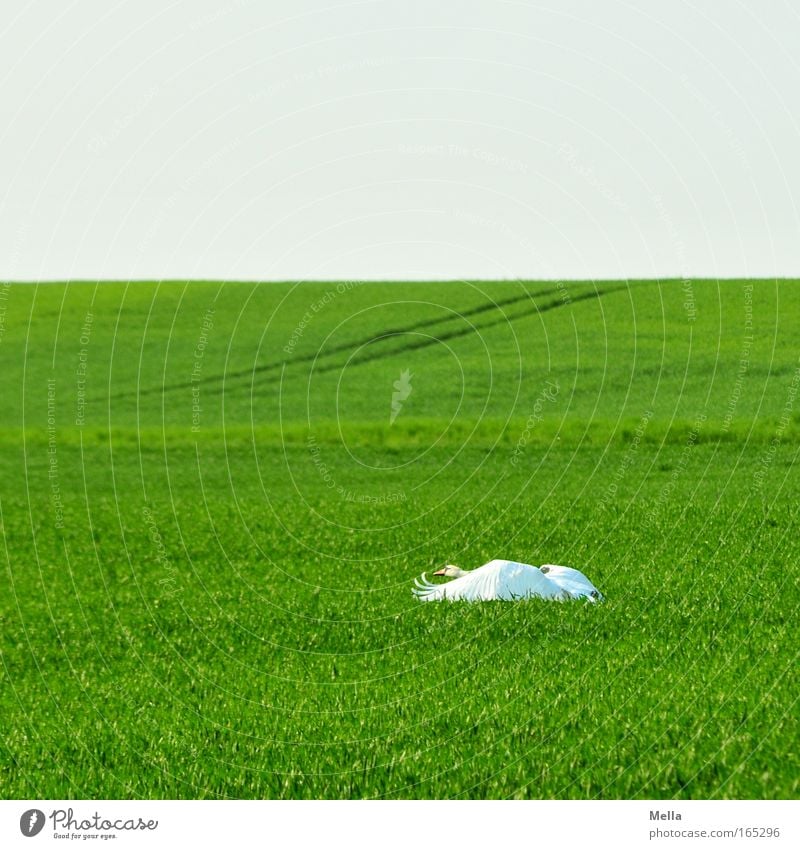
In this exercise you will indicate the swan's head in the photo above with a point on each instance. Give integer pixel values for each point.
(450, 571)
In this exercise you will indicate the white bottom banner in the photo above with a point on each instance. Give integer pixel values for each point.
(366, 825)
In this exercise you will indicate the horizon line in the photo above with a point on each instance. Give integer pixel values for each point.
(362, 280)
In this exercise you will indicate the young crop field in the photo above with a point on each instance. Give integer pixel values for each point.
(215, 497)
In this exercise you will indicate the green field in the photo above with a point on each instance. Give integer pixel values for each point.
(210, 529)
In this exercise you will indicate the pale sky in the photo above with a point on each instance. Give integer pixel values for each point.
(399, 139)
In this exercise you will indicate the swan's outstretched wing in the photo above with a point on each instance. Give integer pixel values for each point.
(519, 580)
(496, 580)
(572, 581)
(478, 585)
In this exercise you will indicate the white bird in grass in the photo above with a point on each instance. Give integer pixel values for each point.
(507, 580)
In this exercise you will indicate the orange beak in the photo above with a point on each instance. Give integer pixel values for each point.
(439, 572)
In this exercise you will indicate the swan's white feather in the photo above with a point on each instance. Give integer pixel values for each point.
(507, 580)
(573, 581)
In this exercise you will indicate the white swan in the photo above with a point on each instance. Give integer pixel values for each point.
(507, 580)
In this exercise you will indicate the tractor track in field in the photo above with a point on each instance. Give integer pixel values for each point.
(227, 377)
(461, 331)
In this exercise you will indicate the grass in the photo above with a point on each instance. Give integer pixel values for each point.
(210, 530)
